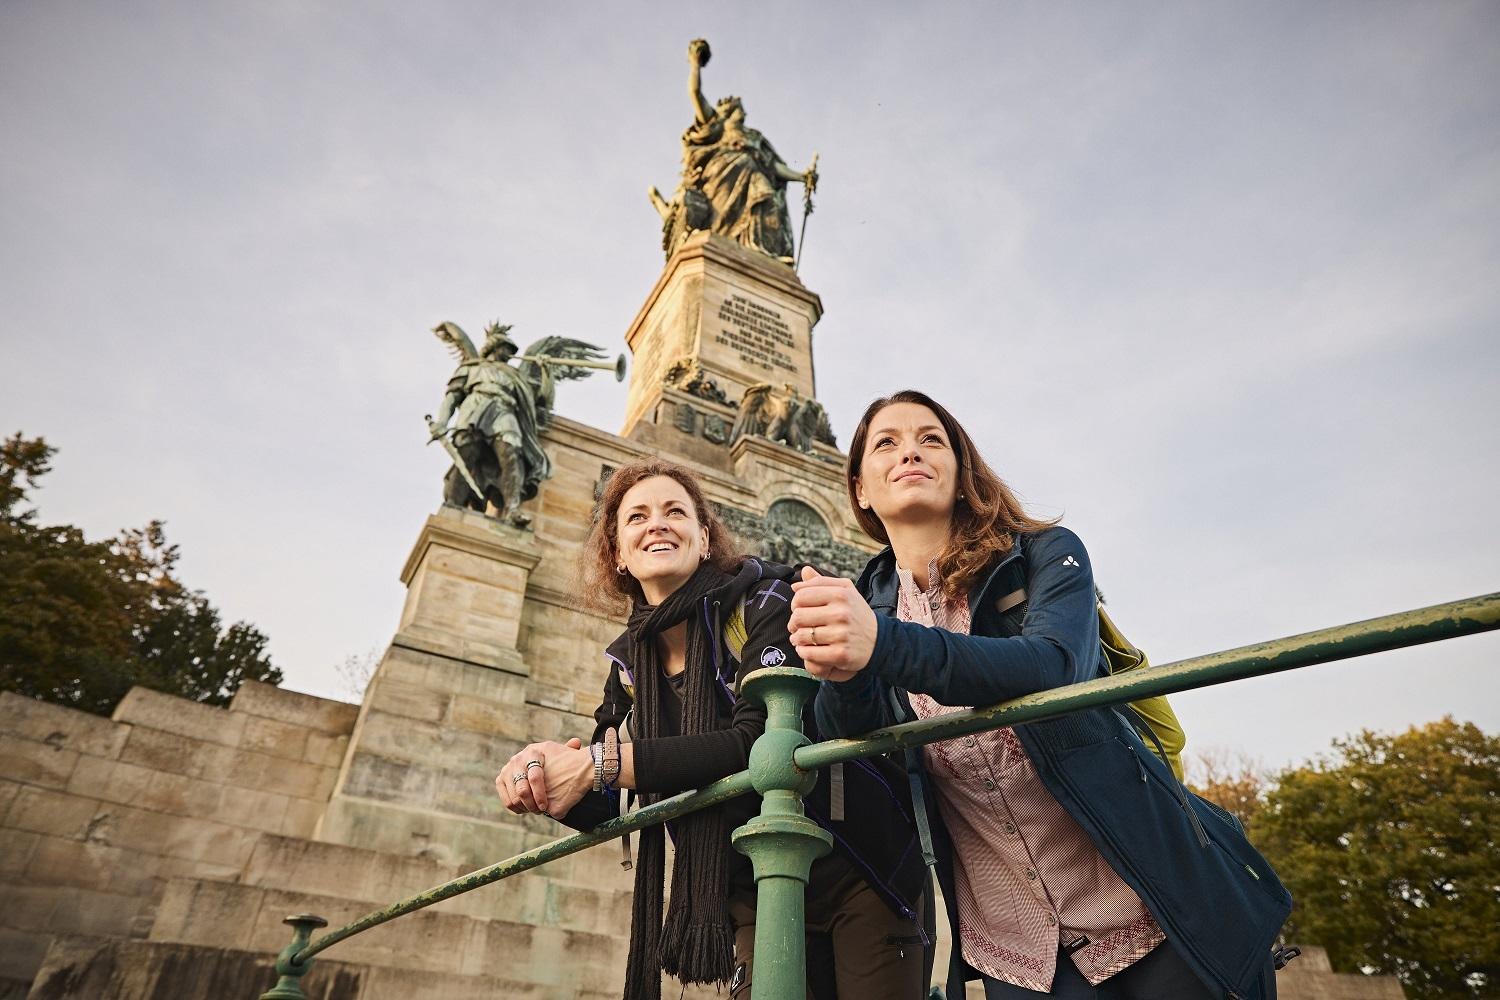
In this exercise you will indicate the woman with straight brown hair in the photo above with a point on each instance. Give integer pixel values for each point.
(700, 617)
(1072, 861)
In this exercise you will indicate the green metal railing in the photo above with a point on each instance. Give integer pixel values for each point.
(782, 842)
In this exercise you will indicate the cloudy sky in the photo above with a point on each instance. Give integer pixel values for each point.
(1215, 282)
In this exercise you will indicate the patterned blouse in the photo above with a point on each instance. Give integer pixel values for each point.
(1029, 880)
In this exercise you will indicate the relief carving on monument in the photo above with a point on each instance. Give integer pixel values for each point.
(688, 375)
(783, 415)
(791, 532)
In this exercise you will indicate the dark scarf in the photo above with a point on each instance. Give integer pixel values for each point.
(696, 943)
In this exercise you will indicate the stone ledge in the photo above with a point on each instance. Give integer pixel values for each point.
(476, 534)
(335, 718)
(62, 727)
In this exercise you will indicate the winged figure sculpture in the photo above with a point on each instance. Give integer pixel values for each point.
(492, 414)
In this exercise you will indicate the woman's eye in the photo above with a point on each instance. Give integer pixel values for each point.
(882, 442)
(638, 516)
(932, 439)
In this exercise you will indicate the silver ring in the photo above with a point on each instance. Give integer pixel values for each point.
(518, 777)
(533, 763)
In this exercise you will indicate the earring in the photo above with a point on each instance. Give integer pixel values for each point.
(620, 568)
(704, 557)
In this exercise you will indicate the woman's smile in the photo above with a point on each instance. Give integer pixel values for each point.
(660, 539)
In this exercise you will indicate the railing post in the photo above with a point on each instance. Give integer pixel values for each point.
(289, 986)
(781, 842)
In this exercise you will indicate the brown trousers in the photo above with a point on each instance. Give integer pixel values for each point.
(857, 949)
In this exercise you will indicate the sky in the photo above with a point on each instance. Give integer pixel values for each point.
(1214, 282)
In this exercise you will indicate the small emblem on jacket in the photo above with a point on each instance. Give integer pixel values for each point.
(1070, 561)
(772, 657)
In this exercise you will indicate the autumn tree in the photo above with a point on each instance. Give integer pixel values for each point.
(82, 622)
(1231, 780)
(1389, 849)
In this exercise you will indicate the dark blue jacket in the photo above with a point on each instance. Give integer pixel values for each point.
(1214, 896)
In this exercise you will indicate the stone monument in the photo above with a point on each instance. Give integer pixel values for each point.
(157, 852)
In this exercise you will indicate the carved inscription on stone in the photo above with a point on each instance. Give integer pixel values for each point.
(757, 333)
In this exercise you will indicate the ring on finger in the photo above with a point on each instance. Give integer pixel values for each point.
(532, 763)
(812, 637)
(518, 777)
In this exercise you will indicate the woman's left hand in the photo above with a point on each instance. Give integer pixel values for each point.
(832, 627)
(546, 778)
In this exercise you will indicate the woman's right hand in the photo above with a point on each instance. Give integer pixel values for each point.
(547, 778)
(832, 626)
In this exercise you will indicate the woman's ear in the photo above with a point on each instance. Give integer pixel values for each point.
(859, 494)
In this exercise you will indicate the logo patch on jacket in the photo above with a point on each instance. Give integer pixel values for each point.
(772, 657)
(1070, 561)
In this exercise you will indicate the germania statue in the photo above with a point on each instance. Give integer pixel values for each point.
(498, 411)
(733, 183)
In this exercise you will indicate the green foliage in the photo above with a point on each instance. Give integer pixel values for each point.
(1389, 849)
(82, 622)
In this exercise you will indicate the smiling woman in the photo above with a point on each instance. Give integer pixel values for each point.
(701, 617)
(1072, 862)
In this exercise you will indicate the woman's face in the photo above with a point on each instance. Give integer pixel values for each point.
(908, 472)
(658, 535)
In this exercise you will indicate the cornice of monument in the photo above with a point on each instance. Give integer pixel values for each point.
(476, 534)
(705, 246)
(719, 484)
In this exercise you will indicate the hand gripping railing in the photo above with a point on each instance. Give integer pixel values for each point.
(782, 843)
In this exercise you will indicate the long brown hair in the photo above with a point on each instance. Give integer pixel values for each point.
(987, 516)
(606, 590)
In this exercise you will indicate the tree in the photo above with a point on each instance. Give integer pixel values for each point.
(1229, 779)
(82, 622)
(1389, 849)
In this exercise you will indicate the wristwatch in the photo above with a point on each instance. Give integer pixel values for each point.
(596, 750)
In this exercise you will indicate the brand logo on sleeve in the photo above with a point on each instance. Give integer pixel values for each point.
(772, 657)
(1070, 561)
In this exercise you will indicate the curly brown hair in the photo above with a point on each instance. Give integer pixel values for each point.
(987, 516)
(606, 590)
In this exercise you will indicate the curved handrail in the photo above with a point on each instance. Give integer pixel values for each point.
(1408, 628)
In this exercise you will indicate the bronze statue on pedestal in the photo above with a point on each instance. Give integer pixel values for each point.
(733, 181)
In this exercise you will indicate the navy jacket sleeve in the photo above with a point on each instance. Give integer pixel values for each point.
(1058, 644)
(852, 707)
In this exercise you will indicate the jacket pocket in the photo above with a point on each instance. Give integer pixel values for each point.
(1202, 896)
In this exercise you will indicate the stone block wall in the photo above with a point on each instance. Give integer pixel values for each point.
(98, 815)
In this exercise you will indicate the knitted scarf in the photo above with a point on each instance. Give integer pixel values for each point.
(696, 943)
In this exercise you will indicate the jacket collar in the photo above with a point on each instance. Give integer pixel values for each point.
(879, 583)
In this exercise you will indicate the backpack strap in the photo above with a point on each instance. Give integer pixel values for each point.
(735, 632)
(918, 794)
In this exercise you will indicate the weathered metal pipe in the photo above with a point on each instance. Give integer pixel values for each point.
(1377, 635)
(1409, 628)
(678, 805)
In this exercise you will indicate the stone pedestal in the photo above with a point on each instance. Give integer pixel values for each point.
(744, 317)
(448, 703)
(466, 585)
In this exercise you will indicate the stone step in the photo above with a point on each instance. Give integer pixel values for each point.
(378, 879)
(249, 918)
(145, 970)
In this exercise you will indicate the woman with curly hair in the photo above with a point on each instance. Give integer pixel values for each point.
(701, 617)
